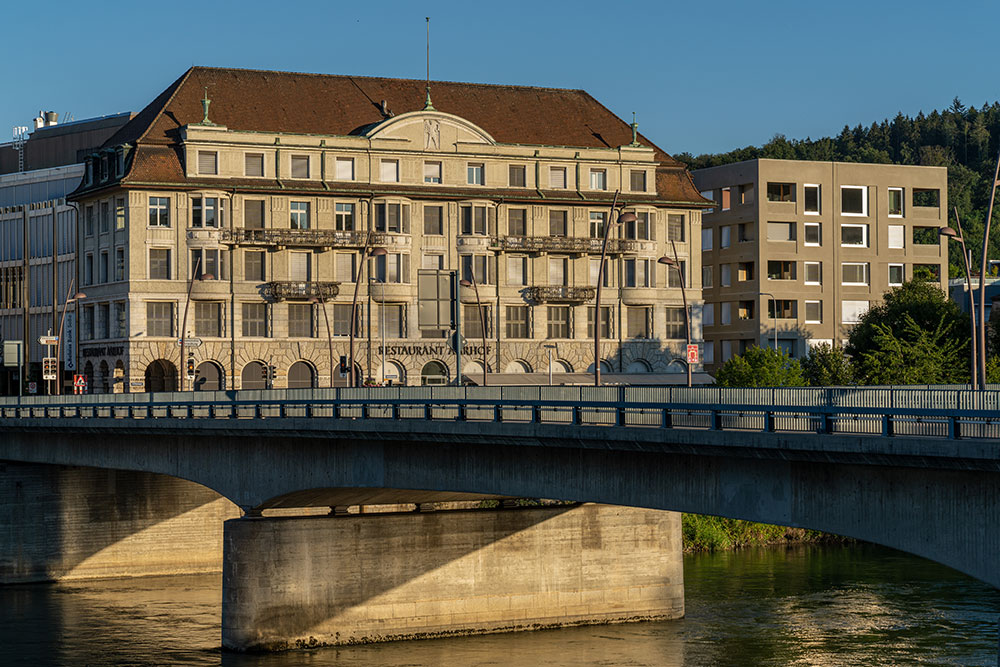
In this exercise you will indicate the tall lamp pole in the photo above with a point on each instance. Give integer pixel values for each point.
(622, 219)
(482, 319)
(366, 252)
(187, 304)
(676, 263)
(982, 279)
(950, 233)
(329, 335)
(62, 320)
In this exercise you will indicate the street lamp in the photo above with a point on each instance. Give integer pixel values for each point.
(950, 233)
(62, 320)
(365, 254)
(329, 335)
(482, 319)
(774, 317)
(676, 264)
(381, 327)
(622, 219)
(982, 280)
(187, 304)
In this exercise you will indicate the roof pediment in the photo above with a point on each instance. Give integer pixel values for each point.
(430, 130)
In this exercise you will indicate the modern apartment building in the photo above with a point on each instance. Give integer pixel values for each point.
(257, 192)
(794, 252)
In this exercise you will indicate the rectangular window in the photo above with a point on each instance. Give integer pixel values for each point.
(558, 271)
(559, 322)
(208, 162)
(926, 236)
(709, 195)
(745, 271)
(253, 265)
(211, 261)
(88, 269)
(206, 212)
(517, 270)
(851, 311)
(744, 232)
(598, 179)
(394, 317)
(557, 223)
(782, 309)
(854, 273)
(676, 328)
(433, 220)
(479, 265)
(725, 236)
(813, 273)
(595, 265)
(393, 268)
(300, 166)
(727, 199)
(637, 180)
(119, 323)
(854, 200)
(300, 320)
(87, 323)
(814, 312)
(474, 220)
(88, 229)
(640, 229)
(253, 213)
(341, 320)
(708, 315)
(746, 194)
(344, 170)
(432, 261)
(345, 264)
(811, 203)
(638, 321)
(104, 320)
(895, 202)
(897, 236)
(674, 277)
(476, 173)
(253, 164)
(597, 221)
(207, 319)
(159, 264)
(781, 231)
(159, 212)
(895, 275)
(926, 197)
(557, 178)
(706, 239)
(745, 309)
(725, 275)
(727, 313)
(781, 192)
(255, 320)
(606, 330)
(707, 274)
(472, 321)
(104, 266)
(813, 232)
(516, 176)
(159, 319)
(517, 322)
(120, 213)
(854, 236)
(299, 214)
(432, 172)
(119, 264)
(675, 227)
(637, 273)
(344, 217)
(389, 171)
(393, 218)
(299, 266)
(517, 222)
(780, 270)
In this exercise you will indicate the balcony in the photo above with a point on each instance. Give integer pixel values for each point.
(567, 244)
(300, 238)
(545, 294)
(294, 290)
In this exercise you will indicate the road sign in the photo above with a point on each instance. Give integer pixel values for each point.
(79, 384)
(32, 387)
(50, 369)
(13, 353)
(692, 351)
(190, 342)
(48, 340)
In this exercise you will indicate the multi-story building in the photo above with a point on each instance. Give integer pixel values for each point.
(38, 237)
(794, 252)
(272, 184)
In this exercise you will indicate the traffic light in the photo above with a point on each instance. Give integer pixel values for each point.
(49, 368)
(271, 373)
(190, 367)
(343, 364)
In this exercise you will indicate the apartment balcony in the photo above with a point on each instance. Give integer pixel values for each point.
(562, 244)
(282, 290)
(546, 294)
(300, 238)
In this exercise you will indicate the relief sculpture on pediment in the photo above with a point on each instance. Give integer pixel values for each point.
(432, 134)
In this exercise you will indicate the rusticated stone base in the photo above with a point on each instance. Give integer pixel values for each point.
(314, 581)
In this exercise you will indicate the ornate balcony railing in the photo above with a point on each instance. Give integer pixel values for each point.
(546, 294)
(568, 244)
(300, 238)
(281, 290)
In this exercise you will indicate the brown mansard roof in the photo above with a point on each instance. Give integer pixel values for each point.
(266, 101)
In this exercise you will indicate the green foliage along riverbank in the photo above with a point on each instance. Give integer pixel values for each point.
(713, 533)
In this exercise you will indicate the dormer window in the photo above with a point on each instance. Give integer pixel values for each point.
(300, 166)
(120, 162)
(90, 172)
(104, 167)
(208, 163)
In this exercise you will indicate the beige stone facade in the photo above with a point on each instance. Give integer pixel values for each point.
(799, 250)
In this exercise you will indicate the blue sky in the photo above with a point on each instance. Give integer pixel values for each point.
(702, 77)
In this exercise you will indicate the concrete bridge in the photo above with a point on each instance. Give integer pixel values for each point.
(913, 469)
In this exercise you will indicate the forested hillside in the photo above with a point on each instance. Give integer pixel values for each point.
(963, 139)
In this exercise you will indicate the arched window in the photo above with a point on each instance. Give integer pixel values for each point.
(254, 376)
(208, 377)
(560, 366)
(301, 376)
(161, 375)
(393, 373)
(517, 366)
(434, 373)
(105, 378)
(88, 371)
(605, 367)
(638, 366)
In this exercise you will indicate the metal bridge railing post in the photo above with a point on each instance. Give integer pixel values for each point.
(954, 428)
(769, 422)
(666, 418)
(888, 427)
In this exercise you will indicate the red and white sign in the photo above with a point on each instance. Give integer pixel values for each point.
(79, 384)
(692, 351)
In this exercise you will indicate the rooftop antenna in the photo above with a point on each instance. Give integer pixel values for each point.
(427, 105)
(20, 134)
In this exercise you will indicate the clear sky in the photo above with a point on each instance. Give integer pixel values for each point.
(702, 77)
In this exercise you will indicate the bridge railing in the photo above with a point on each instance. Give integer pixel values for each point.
(888, 411)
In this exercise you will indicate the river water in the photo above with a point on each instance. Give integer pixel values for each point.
(853, 605)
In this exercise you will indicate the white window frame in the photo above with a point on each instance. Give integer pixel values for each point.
(388, 171)
(475, 173)
(805, 273)
(864, 200)
(867, 273)
(819, 201)
(902, 271)
(602, 179)
(891, 231)
(902, 203)
(707, 238)
(805, 312)
(864, 241)
(854, 305)
(805, 233)
(342, 165)
(430, 167)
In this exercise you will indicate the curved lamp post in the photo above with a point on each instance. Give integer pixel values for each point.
(366, 252)
(482, 319)
(329, 335)
(187, 304)
(62, 320)
(950, 233)
(622, 219)
(982, 280)
(676, 264)
(774, 318)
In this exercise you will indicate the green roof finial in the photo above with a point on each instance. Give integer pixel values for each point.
(205, 102)
(635, 131)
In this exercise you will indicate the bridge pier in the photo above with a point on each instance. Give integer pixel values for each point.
(333, 580)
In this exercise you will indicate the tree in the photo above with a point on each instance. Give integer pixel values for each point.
(827, 366)
(761, 367)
